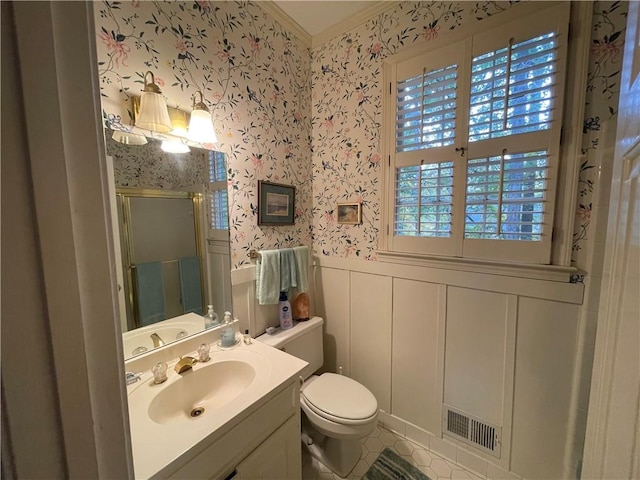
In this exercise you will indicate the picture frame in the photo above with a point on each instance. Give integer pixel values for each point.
(276, 203)
(349, 213)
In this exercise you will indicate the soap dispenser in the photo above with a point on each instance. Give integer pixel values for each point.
(211, 318)
(228, 332)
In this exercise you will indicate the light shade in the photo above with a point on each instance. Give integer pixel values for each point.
(153, 113)
(201, 126)
(129, 138)
(172, 146)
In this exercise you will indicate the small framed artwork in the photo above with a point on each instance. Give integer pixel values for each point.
(350, 213)
(276, 203)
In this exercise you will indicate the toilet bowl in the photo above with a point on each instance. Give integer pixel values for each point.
(337, 411)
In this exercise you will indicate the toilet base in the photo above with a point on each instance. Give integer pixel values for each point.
(339, 455)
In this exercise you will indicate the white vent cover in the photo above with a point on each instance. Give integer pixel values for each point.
(472, 430)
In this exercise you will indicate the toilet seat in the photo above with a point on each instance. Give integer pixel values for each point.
(340, 399)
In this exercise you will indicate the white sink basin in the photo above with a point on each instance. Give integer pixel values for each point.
(165, 419)
(198, 392)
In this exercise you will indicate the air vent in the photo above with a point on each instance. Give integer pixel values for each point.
(472, 430)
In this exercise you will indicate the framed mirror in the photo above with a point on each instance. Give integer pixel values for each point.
(171, 231)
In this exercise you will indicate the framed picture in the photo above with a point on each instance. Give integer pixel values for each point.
(276, 203)
(350, 213)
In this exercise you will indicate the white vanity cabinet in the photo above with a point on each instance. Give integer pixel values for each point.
(263, 445)
(277, 458)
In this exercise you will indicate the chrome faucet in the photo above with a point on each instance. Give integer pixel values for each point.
(157, 341)
(185, 364)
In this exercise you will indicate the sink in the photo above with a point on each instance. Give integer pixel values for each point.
(202, 405)
(199, 391)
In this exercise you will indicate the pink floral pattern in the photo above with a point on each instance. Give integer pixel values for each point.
(347, 115)
(287, 114)
(605, 62)
(255, 76)
(347, 112)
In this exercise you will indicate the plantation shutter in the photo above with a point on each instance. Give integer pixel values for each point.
(218, 202)
(476, 143)
(515, 112)
(430, 118)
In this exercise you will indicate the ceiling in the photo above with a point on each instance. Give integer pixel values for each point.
(317, 16)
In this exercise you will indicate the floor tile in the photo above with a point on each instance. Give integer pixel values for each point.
(428, 462)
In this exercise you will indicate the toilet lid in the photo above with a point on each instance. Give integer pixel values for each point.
(341, 397)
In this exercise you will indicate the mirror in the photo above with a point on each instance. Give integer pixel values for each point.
(171, 226)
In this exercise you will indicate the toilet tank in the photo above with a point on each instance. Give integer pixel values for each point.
(303, 340)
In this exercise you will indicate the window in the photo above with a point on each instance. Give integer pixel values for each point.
(476, 143)
(217, 195)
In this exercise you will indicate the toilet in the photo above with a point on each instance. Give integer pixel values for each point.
(337, 410)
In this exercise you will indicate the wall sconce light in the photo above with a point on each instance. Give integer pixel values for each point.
(153, 113)
(201, 126)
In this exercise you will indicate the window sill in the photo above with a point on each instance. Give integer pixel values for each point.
(554, 273)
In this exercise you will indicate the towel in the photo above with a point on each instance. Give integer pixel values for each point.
(301, 255)
(287, 270)
(190, 287)
(150, 292)
(268, 277)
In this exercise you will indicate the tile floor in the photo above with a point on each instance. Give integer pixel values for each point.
(432, 465)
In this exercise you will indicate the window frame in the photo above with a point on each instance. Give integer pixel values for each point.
(575, 61)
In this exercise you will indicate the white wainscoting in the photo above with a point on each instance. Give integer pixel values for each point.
(497, 347)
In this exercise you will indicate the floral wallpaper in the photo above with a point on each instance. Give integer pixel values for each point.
(347, 111)
(599, 128)
(347, 115)
(311, 119)
(255, 77)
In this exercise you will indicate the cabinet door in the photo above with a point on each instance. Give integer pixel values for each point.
(279, 457)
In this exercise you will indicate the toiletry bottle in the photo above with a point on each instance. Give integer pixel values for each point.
(211, 318)
(228, 335)
(285, 312)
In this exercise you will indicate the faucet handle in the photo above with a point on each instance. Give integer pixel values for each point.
(131, 377)
(203, 352)
(159, 371)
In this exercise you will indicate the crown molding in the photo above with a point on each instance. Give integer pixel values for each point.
(351, 22)
(270, 7)
(286, 21)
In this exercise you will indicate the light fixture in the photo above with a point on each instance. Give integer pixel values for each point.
(179, 121)
(174, 146)
(129, 138)
(201, 127)
(153, 113)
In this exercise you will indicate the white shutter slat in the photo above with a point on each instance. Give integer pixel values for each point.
(423, 200)
(426, 118)
(529, 69)
(506, 197)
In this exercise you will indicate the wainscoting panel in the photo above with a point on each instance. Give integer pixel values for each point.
(415, 396)
(371, 334)
(544, 368)
(504, 349)
(332, 304)
(475, 352)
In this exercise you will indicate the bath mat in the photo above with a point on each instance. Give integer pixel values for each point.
(389, 465)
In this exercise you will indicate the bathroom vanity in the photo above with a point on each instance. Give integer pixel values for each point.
(235, 416)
